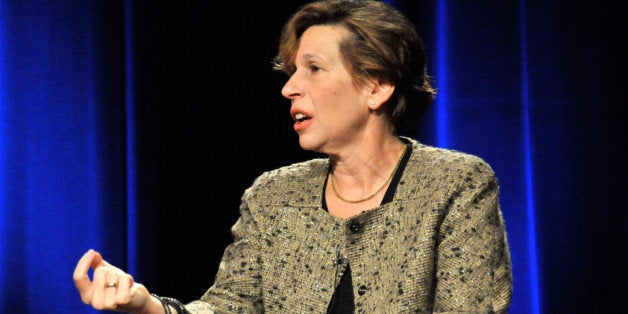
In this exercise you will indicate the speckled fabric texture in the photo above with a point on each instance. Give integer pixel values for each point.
(439, 246)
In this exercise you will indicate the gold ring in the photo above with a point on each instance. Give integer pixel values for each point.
(111, 285)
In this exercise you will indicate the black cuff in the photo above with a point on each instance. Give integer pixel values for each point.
(171, 302)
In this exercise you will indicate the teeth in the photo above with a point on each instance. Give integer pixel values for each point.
(299, 116)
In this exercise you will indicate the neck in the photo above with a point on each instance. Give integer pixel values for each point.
(367, 169)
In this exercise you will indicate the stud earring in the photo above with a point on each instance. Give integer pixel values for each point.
(372, 104)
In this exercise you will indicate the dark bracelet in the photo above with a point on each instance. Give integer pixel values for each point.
(166, 307)
(168, 302)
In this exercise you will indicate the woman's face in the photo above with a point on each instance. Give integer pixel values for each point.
(329, 109)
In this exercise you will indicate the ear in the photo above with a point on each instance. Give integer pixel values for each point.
(380, 93)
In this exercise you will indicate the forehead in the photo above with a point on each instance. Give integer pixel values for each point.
(323, 40)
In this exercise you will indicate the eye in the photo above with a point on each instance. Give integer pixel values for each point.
(315, 68)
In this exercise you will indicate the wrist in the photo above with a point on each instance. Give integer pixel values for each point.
(159, 306)
(168, 305)
(153, 306)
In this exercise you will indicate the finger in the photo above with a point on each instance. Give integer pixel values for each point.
(123, 293)
(80, 276)
(98, 260)
(110, 289)
(104, 263)
(98, 286)
(81, 279)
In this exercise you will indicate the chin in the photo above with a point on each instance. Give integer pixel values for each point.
(309, 144)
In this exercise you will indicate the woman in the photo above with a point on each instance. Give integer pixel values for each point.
(385, 224)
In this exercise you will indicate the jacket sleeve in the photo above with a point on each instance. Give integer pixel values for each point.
(473, 270)
(237, 286)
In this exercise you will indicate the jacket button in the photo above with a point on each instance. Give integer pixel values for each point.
(355, 226)
(362, 290)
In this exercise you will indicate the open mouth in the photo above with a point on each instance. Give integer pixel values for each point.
(299, 117)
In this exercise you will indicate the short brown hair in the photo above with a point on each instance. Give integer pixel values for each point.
(384, 44)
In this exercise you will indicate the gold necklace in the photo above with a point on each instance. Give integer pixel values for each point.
(370, 196)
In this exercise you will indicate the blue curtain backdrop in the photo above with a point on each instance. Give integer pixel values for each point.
(124, 125)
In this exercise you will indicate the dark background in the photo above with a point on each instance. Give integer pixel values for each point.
(134, 127)
(216, 119)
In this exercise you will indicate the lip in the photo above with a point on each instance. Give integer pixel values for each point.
(300, 126)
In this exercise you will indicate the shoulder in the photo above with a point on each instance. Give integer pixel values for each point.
(294, 181)
(294, 172)
(446, 164)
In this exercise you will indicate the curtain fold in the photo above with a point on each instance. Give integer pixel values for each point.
(61, 129)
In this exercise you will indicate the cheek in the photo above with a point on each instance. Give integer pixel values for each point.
(336, 97)
(339, 86)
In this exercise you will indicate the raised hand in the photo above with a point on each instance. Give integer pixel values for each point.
(110, 288)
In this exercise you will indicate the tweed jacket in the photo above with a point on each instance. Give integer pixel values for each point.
(439, 246)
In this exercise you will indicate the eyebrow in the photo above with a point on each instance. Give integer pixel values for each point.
(308, 56)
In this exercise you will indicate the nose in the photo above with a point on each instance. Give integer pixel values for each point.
(291, 90)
